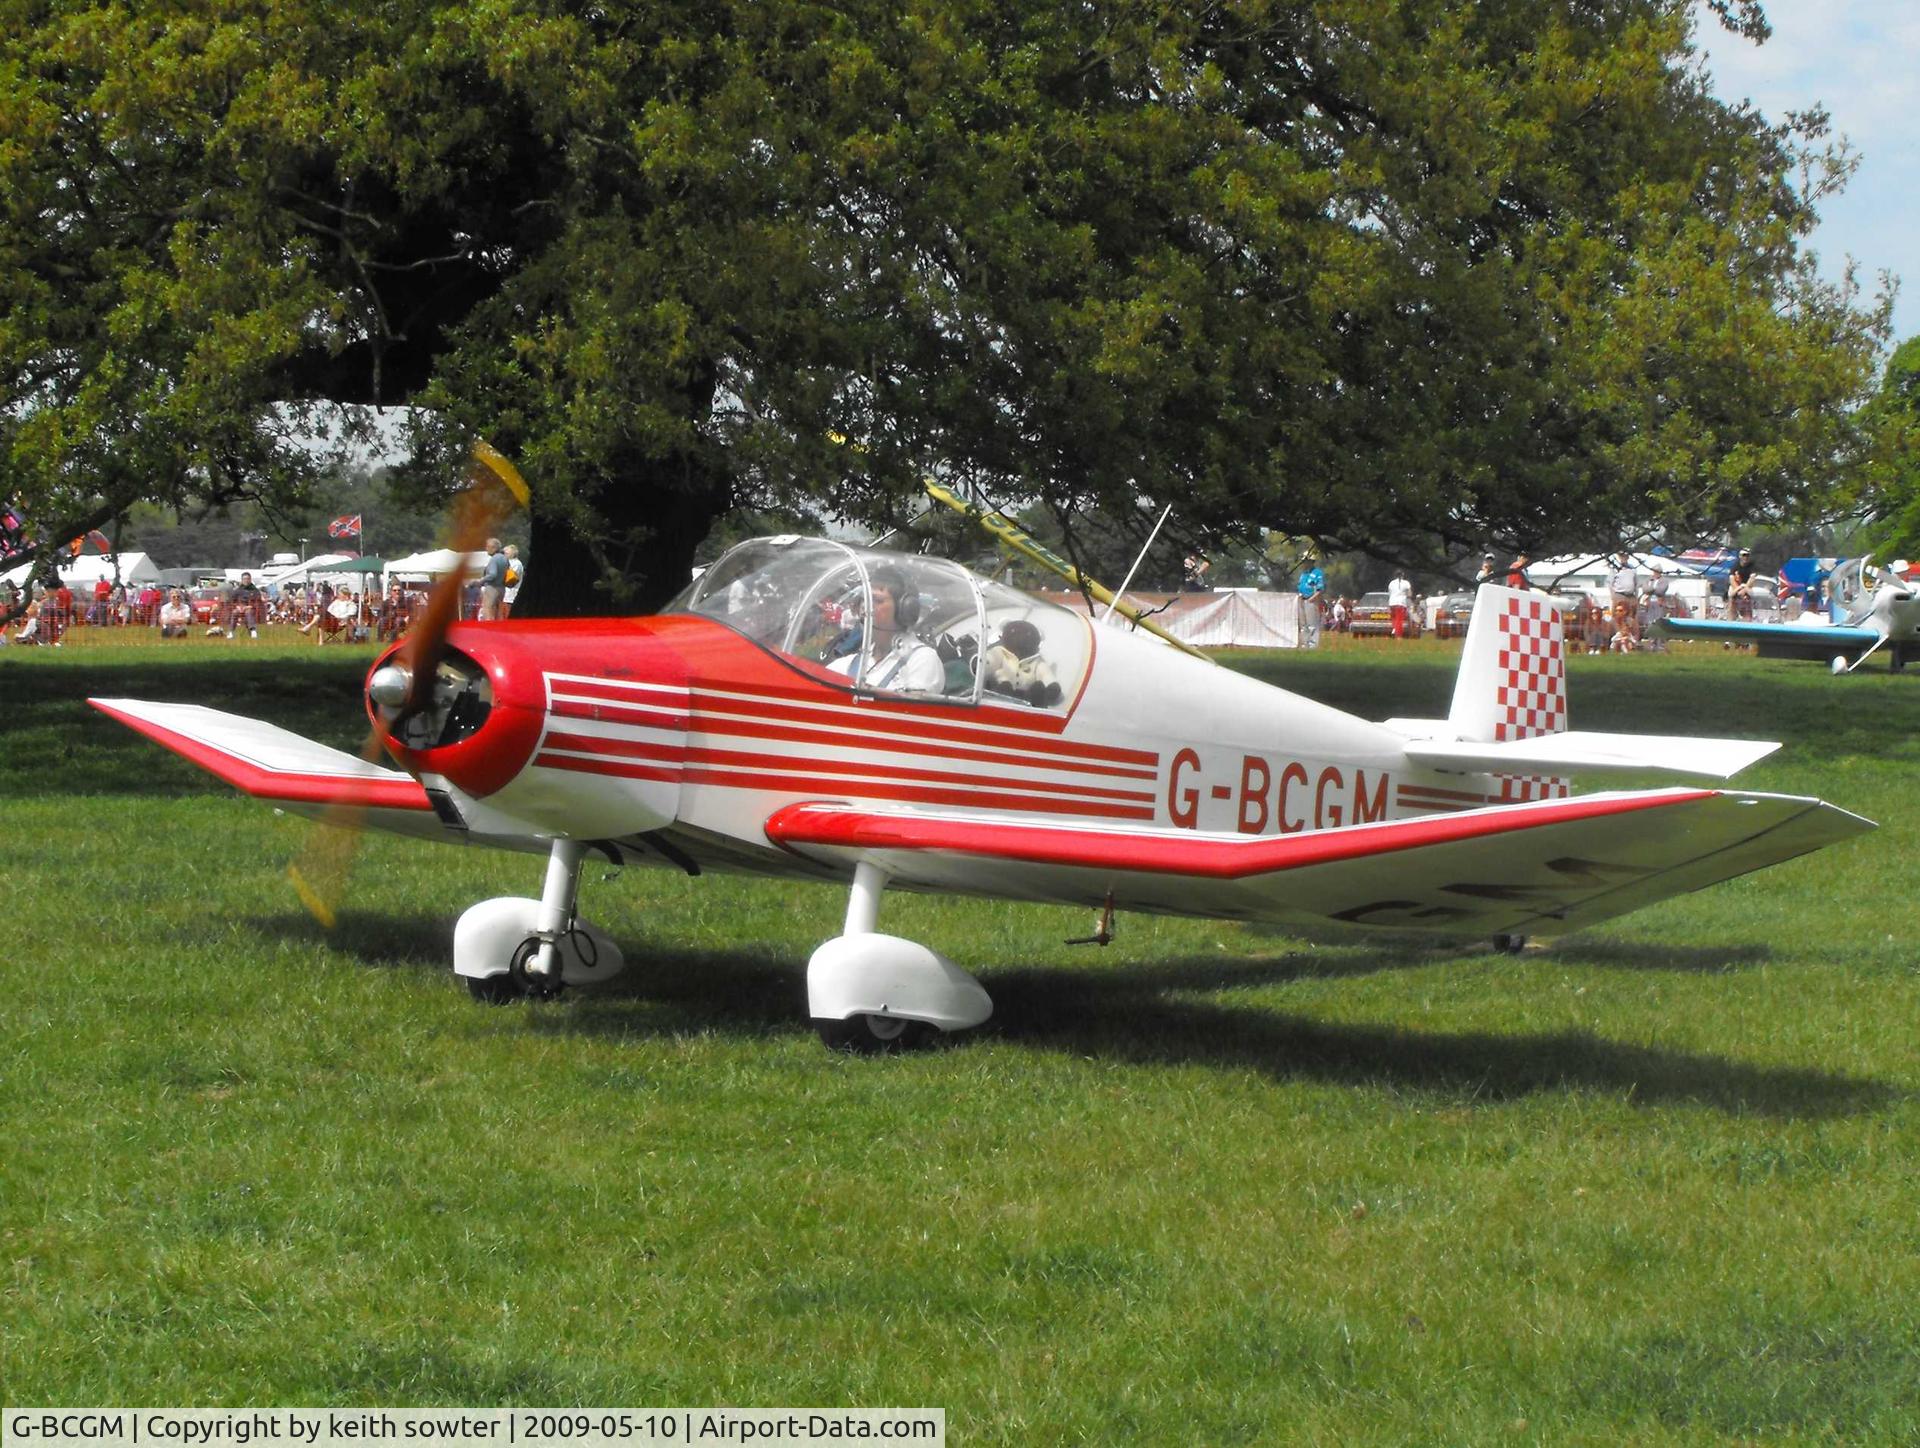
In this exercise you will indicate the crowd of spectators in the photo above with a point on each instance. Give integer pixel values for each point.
(1618, 617)
(218, 609)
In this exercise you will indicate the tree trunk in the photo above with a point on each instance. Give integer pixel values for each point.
(641, 554)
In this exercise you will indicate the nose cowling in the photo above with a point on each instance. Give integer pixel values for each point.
(475, 725)
(570, 727)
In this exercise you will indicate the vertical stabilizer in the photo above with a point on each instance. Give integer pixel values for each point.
(1513, 679)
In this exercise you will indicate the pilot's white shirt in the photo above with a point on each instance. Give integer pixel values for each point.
(909, 667)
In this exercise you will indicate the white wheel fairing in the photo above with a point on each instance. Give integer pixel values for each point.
(893, 979)
(488, 934)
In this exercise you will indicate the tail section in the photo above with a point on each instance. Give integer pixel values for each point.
(1512, 682)
(1509, 716)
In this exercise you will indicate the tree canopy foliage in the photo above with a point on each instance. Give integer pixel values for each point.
(1894, 492)
(1402, 275)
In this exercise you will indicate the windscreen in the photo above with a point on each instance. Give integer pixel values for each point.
(893, 623)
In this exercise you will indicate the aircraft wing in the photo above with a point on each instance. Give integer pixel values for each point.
(279, 766)
(1525, 869)
(1816, 637)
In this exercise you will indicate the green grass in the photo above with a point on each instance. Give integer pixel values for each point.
(1654, 1183)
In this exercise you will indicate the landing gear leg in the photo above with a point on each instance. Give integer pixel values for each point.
(871, 993)
(537, 961)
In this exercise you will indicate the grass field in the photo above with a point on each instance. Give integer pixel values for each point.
(1652, 1183)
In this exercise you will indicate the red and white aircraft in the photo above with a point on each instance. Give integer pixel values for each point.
(817, 711)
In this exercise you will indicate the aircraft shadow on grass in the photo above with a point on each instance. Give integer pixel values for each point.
(1663, 956)
(1149, 1015)
(1136, 1017)
(69, 740)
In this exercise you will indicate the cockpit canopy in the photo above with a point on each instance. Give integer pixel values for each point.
(812, 603)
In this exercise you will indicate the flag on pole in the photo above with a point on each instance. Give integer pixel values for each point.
(348, 527)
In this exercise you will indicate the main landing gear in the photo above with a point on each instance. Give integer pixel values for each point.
(870, 993)
(512, 948)
(866, 992)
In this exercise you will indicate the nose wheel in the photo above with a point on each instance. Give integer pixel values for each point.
(524, 970)
(514, 948)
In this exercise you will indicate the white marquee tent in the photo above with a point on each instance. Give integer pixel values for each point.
(1244, 618)
(135, 568)
(293, 576)
(432, 564)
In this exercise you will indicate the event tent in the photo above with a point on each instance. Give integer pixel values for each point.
(1592, 572)
(1242, 618)
(134, 568)
(354, 575)
(431, 564)
(1229, 618)
(294, 576)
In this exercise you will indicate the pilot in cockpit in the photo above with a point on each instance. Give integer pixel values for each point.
(1013, 666)
(896, 658)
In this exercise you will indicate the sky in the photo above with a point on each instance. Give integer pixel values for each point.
(1860, 59)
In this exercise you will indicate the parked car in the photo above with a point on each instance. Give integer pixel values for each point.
(205, 603)
(1451, 617)
(1373, 615)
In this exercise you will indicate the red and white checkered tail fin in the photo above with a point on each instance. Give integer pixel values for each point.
(1513, 679)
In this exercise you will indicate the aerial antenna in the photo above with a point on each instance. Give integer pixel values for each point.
(881, 541)
(1127, 583)
(1010, 533)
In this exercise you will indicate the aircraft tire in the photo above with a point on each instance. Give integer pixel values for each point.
(866, 1035)
(494, 990)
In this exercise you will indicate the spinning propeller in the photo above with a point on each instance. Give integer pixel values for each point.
(404, 687)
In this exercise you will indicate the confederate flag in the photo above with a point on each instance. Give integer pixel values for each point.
(344, 527)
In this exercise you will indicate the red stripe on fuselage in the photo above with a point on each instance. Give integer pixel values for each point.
(976, 725)
(630, 715)
(855, 789)
(728, 727)
(817, 769)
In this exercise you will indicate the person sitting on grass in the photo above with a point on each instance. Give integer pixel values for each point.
(175, 618)
(30, 622)
(248, 602)
(335, 617)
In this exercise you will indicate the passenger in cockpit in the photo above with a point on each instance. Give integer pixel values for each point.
(896, 658)
(1014, 666)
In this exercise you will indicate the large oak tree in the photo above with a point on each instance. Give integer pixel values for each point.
(1400, 274)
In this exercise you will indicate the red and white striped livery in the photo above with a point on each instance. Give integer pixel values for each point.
(814, 710)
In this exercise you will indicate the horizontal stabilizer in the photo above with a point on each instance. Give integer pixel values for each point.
(1578, 751)
(269, 762)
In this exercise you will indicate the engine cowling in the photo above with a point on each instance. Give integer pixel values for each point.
(558, 728)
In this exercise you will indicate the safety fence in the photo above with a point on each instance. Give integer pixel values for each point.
(51, 623)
